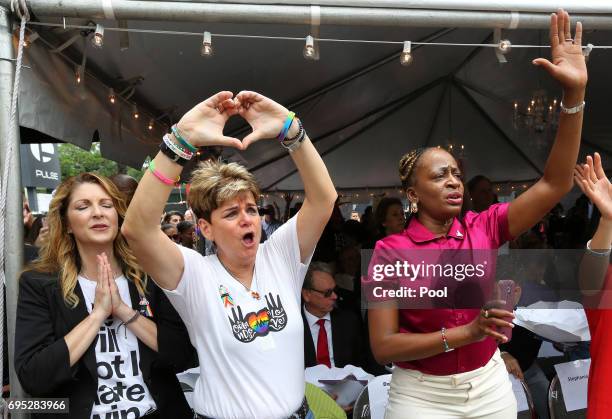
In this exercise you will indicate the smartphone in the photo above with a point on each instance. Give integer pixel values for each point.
(505, 292)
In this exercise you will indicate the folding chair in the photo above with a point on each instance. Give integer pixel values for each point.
(556, 403)
(531, 412)
(362, 407)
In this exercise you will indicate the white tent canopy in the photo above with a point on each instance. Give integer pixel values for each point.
(360, 106)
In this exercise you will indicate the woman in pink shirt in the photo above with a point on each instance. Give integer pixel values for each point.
(448, 365)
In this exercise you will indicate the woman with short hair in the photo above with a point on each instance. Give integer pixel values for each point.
(242, 304)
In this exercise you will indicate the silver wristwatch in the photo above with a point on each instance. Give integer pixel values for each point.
(573, 110)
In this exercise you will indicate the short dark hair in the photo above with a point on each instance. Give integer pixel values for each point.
(170, 214)
(167, 226)
(316, 266)
(183, 226)
(475, 181)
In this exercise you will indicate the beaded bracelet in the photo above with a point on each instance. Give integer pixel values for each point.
(177, 149)
(445, 341)
(286, 126)
(292, 144)
(163, 178)
(182, 140)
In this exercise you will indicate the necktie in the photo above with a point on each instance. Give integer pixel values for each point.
(322, 348)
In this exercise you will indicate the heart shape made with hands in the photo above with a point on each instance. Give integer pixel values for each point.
(203, 125)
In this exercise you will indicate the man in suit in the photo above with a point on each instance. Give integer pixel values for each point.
(332, 337)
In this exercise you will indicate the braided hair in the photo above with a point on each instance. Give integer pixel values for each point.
(407, 165)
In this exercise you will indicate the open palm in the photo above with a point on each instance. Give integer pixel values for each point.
(568, 65)
(593, 181)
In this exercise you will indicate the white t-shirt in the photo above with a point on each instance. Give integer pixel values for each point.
(251, 351)
(121, 388)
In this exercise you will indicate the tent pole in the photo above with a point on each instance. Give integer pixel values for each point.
(545, 6)
(300, 15)
(13, 223)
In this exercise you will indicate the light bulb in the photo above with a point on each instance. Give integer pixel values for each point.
(504, 46)
(112, 98)
(406, 55)
(135, 112)
(151, 125)
(98, 37)
(207, 49)
(79, 74)
(309, 50)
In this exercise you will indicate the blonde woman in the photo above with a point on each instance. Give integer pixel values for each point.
(241, 305)
(90, 327)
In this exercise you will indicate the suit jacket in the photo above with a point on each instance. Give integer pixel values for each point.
(347, 340)
(42, 359)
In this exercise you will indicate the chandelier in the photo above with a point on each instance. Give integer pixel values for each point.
(539, 115)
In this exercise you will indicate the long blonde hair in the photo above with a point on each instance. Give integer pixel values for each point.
(59, 255)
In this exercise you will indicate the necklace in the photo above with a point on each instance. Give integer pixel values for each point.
(254, 294)
(115, 276)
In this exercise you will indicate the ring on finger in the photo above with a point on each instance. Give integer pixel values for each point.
(569, 40)
(485, 314)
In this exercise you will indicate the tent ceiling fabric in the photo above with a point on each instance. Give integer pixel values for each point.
(480, 90)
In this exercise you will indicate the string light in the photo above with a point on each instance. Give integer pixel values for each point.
(309, 49)
(112, 98)
(151, 124)
(406, 55)
(123, 29)
(135, 112)
(207, 49)
(98, 36)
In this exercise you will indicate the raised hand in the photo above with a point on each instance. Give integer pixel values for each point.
(592, 180)
(568, 64)
(203, 125)
(265, 116)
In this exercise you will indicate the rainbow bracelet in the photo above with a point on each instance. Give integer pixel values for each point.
(163, 178)
(181, 140)
(285, 129)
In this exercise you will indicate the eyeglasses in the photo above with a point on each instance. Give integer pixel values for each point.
(326, 293)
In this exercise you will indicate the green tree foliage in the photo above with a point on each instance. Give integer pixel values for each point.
(75, 160)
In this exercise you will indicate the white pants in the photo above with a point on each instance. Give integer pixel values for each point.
(485, 393)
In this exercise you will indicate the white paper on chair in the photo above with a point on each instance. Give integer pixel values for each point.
(563, 321)
(574, 378)
(346, 383)
(378, 393)
(519, 393)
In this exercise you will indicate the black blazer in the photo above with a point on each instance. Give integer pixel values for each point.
(42, 360)
(347, 340)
